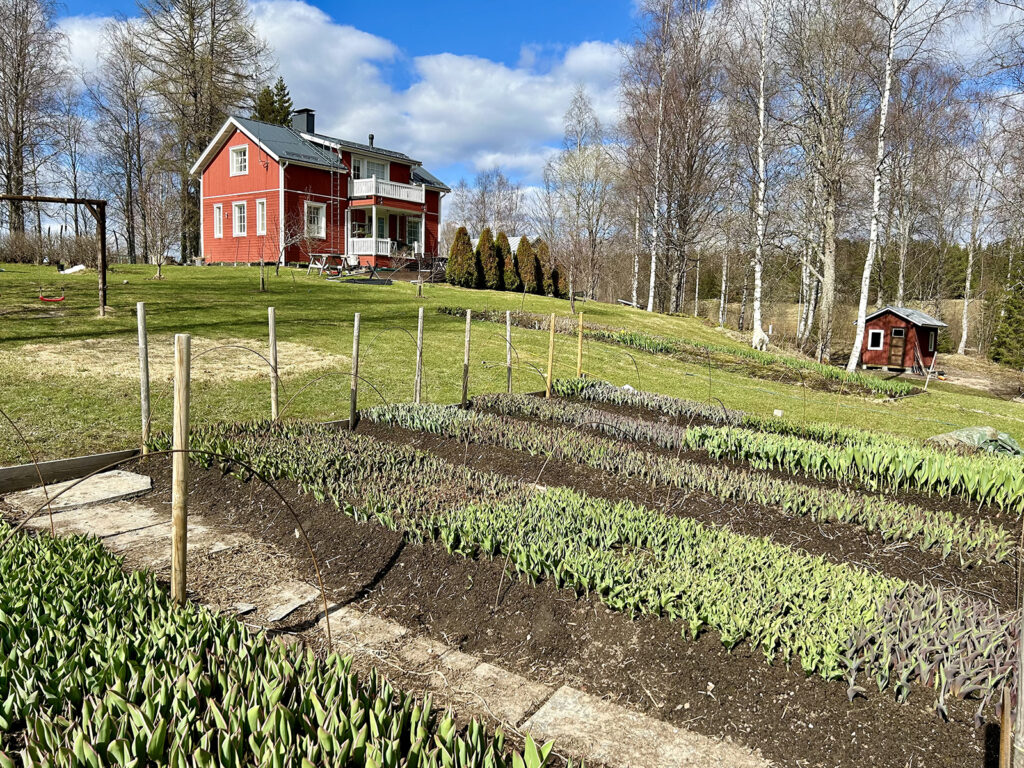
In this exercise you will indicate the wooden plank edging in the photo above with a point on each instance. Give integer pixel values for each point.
(23, 476)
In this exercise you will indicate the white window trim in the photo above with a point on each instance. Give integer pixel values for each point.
(234, 219)
(261, 216)
(419, 222)
(218, 220)
(901, 335)
(231, 160)
(932, 334)
(322, 234)
(356, 160)
(873, 334)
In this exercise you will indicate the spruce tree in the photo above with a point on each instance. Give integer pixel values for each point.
(282, 102)
(510, 280)
(459, 258)
(490, 264)
(527, 262)
(1008, 343)
(542, 274)
(273, 105)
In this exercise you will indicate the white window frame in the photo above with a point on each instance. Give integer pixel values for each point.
(239, 231)
(419, 226)
(901, 335)
(218, 220)
(261, 216)
(875, 333)
(360, 171)
(383, 223)
(932, 334)
(239, 150)
(322, 233)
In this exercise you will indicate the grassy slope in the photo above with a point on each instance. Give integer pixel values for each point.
(64, 413)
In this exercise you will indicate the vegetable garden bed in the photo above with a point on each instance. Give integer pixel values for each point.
(863, 639)
(556, 636)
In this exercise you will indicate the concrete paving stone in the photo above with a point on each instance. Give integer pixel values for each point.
(103, 520)
(289, 597)
(103, 488)
(424, 654)
(507, 696)
(606, 733)
(350, 626)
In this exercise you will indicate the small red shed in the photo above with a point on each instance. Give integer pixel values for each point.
(898, 337)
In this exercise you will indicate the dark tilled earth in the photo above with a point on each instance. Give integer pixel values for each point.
(558, 637)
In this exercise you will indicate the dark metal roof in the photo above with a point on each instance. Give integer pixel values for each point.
(915, 316)
(287, 144)
(355, 145)
(421, 175)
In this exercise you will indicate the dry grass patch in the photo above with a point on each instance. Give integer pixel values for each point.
(213, 360)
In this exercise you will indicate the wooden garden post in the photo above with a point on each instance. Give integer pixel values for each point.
(418, 385)
(1006, 730)
(179, 466)
(140, 312)
(1018, 718)
(508, 351)
(354, 393)
(465, 363)
(551, 356)
(272, 321)
(579, 348)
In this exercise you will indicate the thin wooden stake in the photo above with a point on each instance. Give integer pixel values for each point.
(508, 351)
(579, 349)
(272, 321)
(465, 363)
(140, 312)
(1006, 731)
(551, 355)
(418, 387)
(179, 466)
(1018, 718)
(355, 375)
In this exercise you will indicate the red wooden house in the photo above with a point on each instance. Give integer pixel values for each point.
(286, 194)
(898, 337)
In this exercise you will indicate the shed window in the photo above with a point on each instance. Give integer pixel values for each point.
(931, 340)
(239, 161)
(316, 220)
(875, 339)
(899, 333)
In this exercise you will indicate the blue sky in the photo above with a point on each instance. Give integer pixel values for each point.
(461, 85)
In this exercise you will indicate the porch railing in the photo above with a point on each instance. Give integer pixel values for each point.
(374, 187)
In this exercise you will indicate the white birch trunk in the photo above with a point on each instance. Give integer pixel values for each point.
(636, 248)
(722, 293)
(876, 193)
(759, 339)
(972, 247)
(656, 213)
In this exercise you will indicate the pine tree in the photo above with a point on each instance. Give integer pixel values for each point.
(511, 281)
(527, 266)
(490, 264)
(541, 267)
(1008, 343)
(459, 258)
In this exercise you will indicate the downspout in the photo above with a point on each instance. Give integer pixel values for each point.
(280, 212)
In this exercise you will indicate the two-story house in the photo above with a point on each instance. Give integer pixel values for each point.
(286, 194)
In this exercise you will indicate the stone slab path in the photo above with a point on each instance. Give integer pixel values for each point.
(103, 488)
(582, 725)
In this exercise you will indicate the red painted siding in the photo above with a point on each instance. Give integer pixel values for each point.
(314, 185)
(221, 188)
(915, 336)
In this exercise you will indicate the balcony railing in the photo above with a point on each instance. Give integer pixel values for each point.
(377, 246)
(374, 187)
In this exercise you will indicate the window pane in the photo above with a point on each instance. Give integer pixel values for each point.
(375, 168)
(413, 234)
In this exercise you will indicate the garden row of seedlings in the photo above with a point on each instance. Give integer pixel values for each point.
(700, 351)
(99, 668)
(836, 621)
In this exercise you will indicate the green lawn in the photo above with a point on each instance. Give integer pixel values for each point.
(74, 388)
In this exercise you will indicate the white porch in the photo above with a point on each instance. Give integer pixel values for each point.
(383, 231)
(374, 187)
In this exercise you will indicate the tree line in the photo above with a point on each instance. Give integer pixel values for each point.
(131, 129)
(805, 161)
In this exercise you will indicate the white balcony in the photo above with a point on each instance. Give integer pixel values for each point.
(374, 187)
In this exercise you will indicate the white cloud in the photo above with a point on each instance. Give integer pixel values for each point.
(456, 109)
(84, 35)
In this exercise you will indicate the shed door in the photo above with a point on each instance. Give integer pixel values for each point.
(897, 343)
